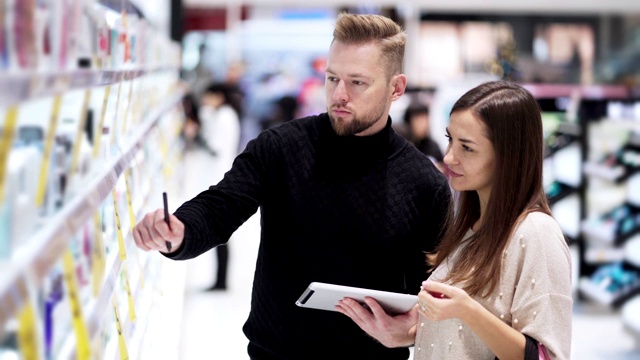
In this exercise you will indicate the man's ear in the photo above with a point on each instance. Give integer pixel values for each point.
(399, 84)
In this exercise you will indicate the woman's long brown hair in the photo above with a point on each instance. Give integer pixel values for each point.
(513, 124)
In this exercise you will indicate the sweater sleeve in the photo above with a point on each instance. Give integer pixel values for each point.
(542, 304)
(215, 214)
(429, 232)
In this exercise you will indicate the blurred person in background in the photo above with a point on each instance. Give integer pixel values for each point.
(282, 110)
(217, 133)
(418, 132)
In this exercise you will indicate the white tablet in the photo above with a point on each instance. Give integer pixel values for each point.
(326, 296)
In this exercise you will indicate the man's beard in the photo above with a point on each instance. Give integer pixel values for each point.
(357, 124)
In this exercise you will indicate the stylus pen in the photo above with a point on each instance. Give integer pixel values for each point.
(166, 217)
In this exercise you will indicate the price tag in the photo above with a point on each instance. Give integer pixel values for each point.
(132, 222)
(98, 135)
(80, 131)
(6, 142)
(132, 216)
(98, 255)
(132, 310)
(117, 113)
(48, 147)
(122, 345)
(27, 333)
(126, 114)
(123, 251)
(83, 346)
(164, 150)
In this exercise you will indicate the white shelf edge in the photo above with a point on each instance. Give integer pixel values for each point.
(47, 245)
(588, 288)
(17, 87)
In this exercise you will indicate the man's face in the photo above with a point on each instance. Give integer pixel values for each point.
(358, 92)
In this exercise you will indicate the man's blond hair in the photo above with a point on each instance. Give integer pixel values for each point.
(359, 29)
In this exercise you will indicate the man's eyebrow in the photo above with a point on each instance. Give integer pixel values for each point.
(353, 75)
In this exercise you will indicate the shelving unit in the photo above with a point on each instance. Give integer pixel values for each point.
(607, 146)
(97, 146)
(583, 127)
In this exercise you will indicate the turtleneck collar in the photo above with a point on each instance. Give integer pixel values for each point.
(352, 154)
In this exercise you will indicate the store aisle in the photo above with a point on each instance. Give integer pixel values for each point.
(212, 323)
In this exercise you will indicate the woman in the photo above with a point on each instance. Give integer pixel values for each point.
(501, 284)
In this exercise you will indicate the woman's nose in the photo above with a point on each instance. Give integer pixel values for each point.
(448, 157)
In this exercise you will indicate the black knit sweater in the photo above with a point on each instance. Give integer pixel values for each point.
(357, 211)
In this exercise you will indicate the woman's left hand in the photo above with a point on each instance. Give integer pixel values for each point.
(438, 301)
(390, 330)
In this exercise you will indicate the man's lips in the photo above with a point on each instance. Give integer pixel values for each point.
(340, 111)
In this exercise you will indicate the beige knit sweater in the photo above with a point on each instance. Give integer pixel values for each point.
(533, 296)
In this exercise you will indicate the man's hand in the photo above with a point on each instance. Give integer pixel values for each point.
(152, 232)
(390, 331)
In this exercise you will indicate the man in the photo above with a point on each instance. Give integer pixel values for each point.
(343, 200)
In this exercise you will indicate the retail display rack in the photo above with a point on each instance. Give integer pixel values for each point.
(90, 117)
(592, 177)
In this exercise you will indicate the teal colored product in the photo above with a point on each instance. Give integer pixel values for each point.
(5, 223)
(113, 49)
(627, 225)
(553, 189)
(620, 213)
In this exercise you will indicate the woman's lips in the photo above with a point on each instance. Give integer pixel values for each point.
(451, 173)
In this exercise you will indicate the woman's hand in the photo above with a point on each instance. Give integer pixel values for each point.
(390, 331)
(438, 301)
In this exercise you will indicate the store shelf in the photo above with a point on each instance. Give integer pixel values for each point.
(35, 259)
(602, 255)
(614, 227)
(612, 285)
(593, 92)
(19, 87)
(614, 174)
(103, 304)
(565, 135)
(594, 292)
(558, 191)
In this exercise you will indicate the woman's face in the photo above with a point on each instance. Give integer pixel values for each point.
(470, 156)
